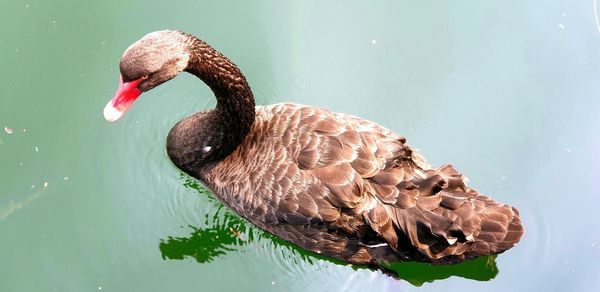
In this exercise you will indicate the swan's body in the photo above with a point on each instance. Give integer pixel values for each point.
(331, 183)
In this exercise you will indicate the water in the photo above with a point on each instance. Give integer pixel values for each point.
(506, 91)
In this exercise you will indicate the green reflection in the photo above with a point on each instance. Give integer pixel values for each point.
(228, 232)
(205, 244)
(481, 269)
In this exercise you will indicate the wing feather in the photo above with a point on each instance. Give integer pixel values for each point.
(362, 180)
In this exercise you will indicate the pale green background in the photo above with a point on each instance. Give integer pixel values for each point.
(507, 91)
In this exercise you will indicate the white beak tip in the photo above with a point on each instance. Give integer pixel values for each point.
(111, 114)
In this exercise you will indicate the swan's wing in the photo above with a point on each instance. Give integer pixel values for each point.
(358, 176)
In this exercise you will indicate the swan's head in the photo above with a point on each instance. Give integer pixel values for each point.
(154, 59)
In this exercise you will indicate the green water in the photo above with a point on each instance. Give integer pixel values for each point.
(507, 91)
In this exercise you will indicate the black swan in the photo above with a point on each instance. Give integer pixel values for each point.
(331, 183)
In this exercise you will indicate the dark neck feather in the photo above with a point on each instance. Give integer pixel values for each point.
(235, 102)
(222, 128)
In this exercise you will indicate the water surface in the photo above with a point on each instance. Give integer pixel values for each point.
(506, 91)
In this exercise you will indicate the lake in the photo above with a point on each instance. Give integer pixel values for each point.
(508, 92)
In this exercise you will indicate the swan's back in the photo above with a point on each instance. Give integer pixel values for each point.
(348, 188)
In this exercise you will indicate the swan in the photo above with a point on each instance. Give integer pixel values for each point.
(330, 183)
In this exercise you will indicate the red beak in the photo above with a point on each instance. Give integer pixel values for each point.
(124, 98)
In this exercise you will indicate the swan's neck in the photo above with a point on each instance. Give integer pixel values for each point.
(211, 136)
(235, 102)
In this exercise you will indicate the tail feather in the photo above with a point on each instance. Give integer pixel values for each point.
(501, 229)
(456, 222)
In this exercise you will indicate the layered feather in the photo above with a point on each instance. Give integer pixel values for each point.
(351, 189)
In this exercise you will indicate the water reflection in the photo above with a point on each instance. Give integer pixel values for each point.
(206, 244)
(228, 232)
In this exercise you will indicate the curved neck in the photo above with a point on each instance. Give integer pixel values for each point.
(233, 116)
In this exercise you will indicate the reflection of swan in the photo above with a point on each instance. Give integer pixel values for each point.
(228, 232)
(204, 245)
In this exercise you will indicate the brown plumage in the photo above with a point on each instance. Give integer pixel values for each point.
(331, 183)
